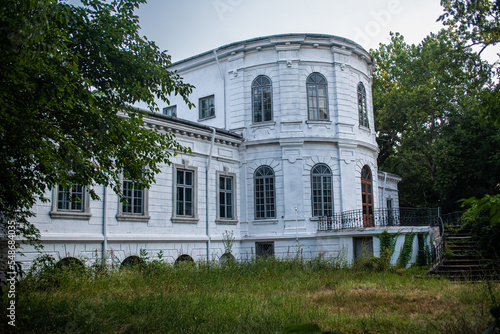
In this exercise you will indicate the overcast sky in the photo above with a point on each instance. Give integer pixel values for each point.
(189, 27)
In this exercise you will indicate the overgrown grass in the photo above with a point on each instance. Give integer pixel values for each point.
(262, 296)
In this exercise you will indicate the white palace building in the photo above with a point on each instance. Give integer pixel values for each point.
(284, 160)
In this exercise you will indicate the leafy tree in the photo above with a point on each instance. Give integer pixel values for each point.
(477, 21)
(69, 77)
(418, 90)
(468, 159)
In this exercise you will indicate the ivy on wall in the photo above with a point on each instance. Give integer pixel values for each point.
(406, 250)
(424, 253)
(387, 246)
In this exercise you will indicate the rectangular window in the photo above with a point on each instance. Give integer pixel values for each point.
(170, 111)
(72, 202)
(363, 247)
(264, 249)
(185, 193)
(71, 198)
(134, 197)
(226, 205)
(207, 107)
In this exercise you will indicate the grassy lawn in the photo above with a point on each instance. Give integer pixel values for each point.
(255, 297)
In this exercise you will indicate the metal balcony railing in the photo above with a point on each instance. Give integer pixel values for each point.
(380, 218)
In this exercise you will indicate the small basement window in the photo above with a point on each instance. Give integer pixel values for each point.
(264, 249)
(363, 247)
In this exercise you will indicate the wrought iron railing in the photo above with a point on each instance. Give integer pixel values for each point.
(380, 218)
(438, 249)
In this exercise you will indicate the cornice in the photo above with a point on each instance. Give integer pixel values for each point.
(185, 128)
(341, 142)
(282, 42)
(186, 131)
(389, 177)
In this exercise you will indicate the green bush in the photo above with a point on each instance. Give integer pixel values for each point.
(484, 231)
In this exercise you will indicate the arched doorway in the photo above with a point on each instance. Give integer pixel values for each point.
(367, 196)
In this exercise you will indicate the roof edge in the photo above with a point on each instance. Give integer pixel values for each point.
(255, 39)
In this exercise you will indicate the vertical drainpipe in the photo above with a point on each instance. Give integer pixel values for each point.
(224, 83)
(211, 147)
(207, 173)
(104, 223)
(384, 202)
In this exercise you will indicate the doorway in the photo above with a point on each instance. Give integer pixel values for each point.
(367, 196)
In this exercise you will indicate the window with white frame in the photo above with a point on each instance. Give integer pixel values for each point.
(71, 202)
(170, 111)
(133, 195)
(362, 109)
(322, 194)
(262, 99)
(226, 199)
(133, 205)
(317, 97)
(70, 198)
(207, 107)
(265, 201)
(184, 200)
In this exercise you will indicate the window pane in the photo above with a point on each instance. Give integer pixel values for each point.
(321, 91)
(222, 198)
(189, 209)
(188, 194)
(189, 178)
(180, 194)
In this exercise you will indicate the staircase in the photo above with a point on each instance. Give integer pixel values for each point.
(462, 261)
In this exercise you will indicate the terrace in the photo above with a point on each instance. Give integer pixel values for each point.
(404, 217)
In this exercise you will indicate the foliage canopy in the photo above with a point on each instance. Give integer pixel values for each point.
(477, 21)
(426, 100)
(69, 76)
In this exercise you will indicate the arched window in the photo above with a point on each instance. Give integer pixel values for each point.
(131, 261)
(185, 259)
(322, 195)
(264, 193)
(71, 263)
(317, 100)
(362, 109)
(262, 100)
(367, 196)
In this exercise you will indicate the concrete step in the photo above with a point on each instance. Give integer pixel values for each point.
(465, 261)
(462, 245)
(462, 261)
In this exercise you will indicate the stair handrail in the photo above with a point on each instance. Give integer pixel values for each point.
(440, 249)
